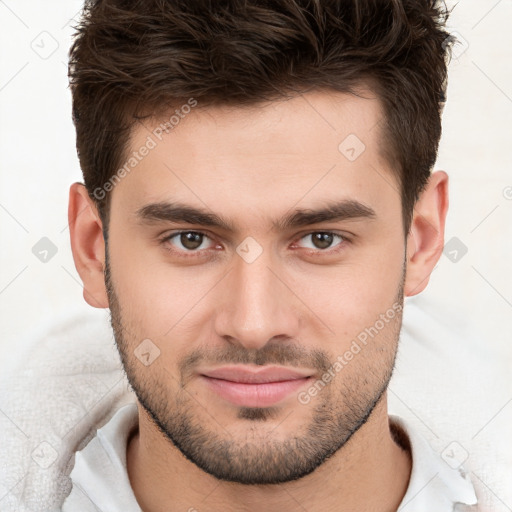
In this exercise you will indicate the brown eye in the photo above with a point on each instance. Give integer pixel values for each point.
(322, 239)
(191, 240)
(187, 241)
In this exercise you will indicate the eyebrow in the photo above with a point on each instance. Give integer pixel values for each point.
(182, 213)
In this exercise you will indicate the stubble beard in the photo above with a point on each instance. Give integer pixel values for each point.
(337, 414)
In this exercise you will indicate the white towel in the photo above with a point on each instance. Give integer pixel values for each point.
(66, 386)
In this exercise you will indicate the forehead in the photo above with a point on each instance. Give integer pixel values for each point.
(260, 159)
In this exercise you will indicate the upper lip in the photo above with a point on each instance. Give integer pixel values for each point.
(251, 375)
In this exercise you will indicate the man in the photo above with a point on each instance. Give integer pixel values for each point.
(258, 201)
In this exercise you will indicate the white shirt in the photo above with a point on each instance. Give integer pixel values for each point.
(101, 483)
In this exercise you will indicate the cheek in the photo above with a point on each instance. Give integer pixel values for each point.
(351, 296)
(157, 300)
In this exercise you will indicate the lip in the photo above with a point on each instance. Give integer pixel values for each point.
(249, 387)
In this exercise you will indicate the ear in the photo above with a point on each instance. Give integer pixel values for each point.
(425, 240)
(87, 245)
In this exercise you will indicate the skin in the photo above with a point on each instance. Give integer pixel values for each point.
(299, 304)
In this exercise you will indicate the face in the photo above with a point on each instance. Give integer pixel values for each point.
(259, 238)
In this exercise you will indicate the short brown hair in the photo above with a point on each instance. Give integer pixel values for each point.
(131, 58)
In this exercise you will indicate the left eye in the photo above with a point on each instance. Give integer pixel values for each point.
(322, 239)
(189, 240)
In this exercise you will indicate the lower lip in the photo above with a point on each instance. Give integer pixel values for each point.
(254, 395)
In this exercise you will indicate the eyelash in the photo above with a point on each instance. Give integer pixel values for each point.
(194, 253)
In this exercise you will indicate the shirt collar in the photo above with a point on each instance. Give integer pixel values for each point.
(434, 484)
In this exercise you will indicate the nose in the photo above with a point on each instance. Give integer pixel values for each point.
(256, 304)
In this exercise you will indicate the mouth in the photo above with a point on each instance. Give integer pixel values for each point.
(263, 387)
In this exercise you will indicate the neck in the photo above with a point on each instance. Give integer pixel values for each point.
(370, 472)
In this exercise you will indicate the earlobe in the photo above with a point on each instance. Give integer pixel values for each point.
(87, 245)
(425, 241)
